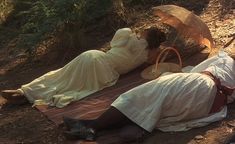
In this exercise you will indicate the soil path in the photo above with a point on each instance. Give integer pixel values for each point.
(26, 125)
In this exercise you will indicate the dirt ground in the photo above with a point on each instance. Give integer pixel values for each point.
(26, 125)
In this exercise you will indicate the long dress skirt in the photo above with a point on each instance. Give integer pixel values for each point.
(84, 75)
(169, 99)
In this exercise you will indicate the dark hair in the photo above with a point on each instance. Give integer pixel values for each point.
(154, 37)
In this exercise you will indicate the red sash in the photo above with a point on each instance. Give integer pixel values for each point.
(221, 95)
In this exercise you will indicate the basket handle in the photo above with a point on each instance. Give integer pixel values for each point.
(167, 49)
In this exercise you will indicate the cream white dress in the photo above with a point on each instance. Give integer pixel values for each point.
(179, 101)
(90, 72)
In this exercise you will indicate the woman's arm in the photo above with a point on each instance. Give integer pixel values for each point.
(120, 38)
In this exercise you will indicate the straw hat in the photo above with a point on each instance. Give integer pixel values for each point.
(157, 69)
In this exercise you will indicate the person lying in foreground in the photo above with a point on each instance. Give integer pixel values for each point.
(91, 71)
(174, 102)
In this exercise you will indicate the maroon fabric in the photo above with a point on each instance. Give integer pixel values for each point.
(221, 95)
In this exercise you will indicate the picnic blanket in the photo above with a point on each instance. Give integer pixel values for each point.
(94, 105)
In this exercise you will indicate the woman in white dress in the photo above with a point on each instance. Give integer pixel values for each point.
(91, 71)
(174, 102)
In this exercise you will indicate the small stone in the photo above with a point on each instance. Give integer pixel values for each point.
(199, 137)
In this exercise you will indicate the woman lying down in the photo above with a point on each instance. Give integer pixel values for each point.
(175, 102)
(90, 71)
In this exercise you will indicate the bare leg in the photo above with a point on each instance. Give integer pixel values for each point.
(112, 118)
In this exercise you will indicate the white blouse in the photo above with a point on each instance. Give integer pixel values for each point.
(221, 66)
(127, 57)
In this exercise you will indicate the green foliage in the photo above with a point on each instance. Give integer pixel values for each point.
(37, 19)
(137, 2)
(151, 2)
(5, 8)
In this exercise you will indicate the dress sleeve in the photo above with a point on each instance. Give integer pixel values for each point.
(121, 38)
(135, 44)
(204, 65)
(212, 60)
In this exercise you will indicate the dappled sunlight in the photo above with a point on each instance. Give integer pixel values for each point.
(21, 63)
(11, 65)
(219, 17)
(6, 7)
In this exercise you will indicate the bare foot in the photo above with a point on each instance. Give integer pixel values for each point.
(79, 130)
(132, 133)
(12, 94)
(72, 123)
(2, 102)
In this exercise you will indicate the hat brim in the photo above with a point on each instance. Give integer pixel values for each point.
(152, 73)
